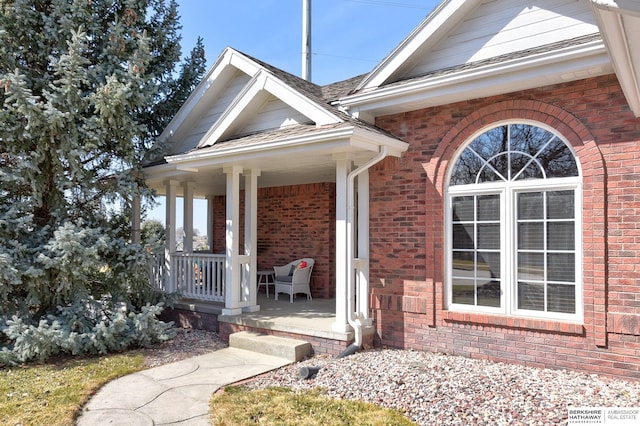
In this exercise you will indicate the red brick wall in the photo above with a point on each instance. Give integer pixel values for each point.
(293, 222)
(407, 232)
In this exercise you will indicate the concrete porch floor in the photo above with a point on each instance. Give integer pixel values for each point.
(310, 318)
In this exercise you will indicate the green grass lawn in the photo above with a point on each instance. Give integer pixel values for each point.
(238, 405)
(53, 394)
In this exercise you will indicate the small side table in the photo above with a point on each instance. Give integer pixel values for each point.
(266, 278)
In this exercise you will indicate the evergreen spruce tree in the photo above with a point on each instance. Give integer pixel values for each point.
(85, 86)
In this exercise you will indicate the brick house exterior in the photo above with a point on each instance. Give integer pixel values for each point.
(573, 302)
(608, 340)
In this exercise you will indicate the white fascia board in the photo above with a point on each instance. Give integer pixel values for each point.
(265, 81)
(165, 171)
(342, 137)
(631, 7)
(372, 141)
(445, 15)
(612, 27)
(482, 81)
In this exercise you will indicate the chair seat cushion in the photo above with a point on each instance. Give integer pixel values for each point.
(285, 278)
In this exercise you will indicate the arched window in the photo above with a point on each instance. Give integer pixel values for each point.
(513, 225)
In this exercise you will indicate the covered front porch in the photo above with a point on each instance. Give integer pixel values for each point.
(267, 209)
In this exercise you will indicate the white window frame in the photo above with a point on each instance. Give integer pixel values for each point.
(508, 254)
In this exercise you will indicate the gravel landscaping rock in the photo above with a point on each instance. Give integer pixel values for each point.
(451, 390)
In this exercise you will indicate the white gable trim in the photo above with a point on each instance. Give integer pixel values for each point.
(261, 83)
(444, 17)
(619, 23)
(218, 75)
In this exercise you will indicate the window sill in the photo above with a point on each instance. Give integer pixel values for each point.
(537, 324)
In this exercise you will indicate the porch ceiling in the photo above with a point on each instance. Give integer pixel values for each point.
(283, 158)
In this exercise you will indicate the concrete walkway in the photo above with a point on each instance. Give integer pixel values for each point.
(176, 393)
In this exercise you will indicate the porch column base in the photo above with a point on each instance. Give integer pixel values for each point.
(253, 308)
(341, 328)
(231, 311)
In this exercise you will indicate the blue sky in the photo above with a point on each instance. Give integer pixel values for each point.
(349, 38)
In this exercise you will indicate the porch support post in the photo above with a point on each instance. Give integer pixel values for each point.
(343, 166)
(135, 219)
(210, 222)
(250, 269)
(362, 292)
(188, 217)
(232, 295)
(170, 243)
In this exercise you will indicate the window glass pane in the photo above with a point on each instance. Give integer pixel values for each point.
(488, 264)
(488, 207)
(466, 168)
(531, 296)
(531, 236)
(532, 171)
(489, 293)
(463, 263)
(561, 267)
(463, 236)
(462, 209)
(530, 266)
(561, 298)
(518, 162)
(487, 174)
(530, 205)
(489, 236)
(558, 160)
(463, 291)
(560, 236)
(529, 139)
(491, 143)
(560, 205)
(500, 165)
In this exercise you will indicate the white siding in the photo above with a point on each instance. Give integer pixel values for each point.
(498, 27)
(206, 115)
(273, 114)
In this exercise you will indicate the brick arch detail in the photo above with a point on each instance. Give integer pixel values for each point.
(593, 200)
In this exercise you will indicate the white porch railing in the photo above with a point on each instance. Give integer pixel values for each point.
(194, 275)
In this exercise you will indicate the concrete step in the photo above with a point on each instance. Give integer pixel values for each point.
(283, 347)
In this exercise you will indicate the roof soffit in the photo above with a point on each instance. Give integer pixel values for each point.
(619, 23)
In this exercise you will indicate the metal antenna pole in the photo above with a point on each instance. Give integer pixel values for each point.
(306, 40)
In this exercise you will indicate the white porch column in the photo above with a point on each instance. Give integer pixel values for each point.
(362, 292)
(170, 243)
(210, 222)
(232, 295)
(343, 167)
(250, 270)
(135, 220)
(188, 216)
